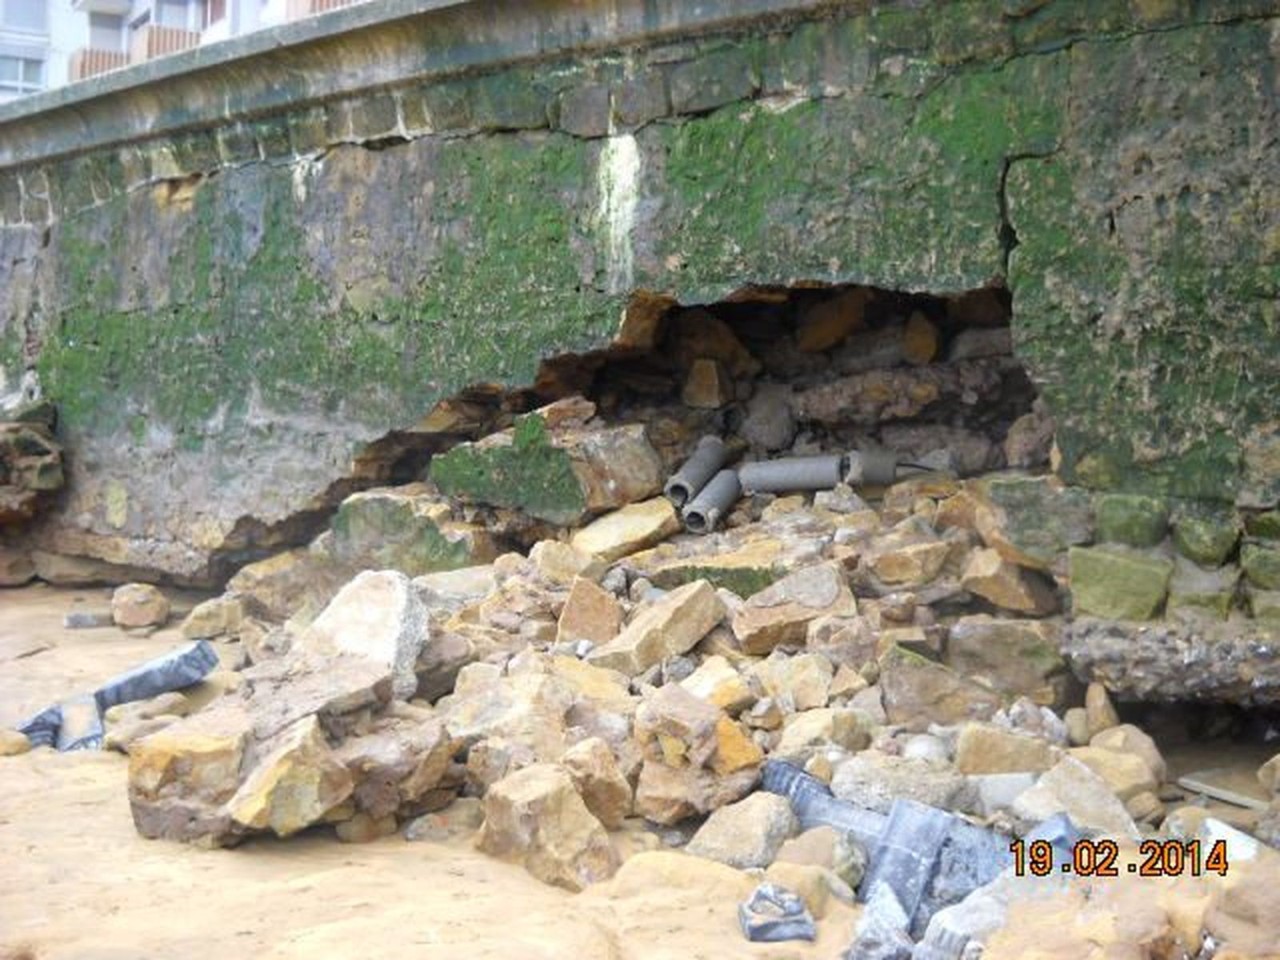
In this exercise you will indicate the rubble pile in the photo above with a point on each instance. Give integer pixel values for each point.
(854, 686)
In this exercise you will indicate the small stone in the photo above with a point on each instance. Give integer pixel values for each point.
(846, 683)
(13, 743)
(1126, 738)
(707, 386)
(982, 748)
(718, 683)
(773, 914)
(669, 626)
(559, 562)
(819, 767)
(927, 747)
(136, 605)
(1131, 519)
(812, 883)
(781, 613)
(735, 751)
(920, 339)
(1100, 713)
(747, 833)
(635, 527)
(994, 793)
(216, 617)
(909, 564)
(16, 567)
(461, 818)
(769, 424)
(536, 817)
(805, 678)
(1145, 807)
(589, 613)
(362, 828)
(1118, 584)
(764, 714)
(599, 780)
(806, 733)
(1007, 585)
(825, 323)
(1077, 721)
(1261, 564)
(813, 847)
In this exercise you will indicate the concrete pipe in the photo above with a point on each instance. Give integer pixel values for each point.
(713, 502)
(709, 455)
(790, 474)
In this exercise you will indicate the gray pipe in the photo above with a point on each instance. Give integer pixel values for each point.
(708, 456)
(713, 502)
(872, 467)
(792, 473)
(814, 805)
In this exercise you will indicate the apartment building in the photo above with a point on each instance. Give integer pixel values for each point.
(49, 43)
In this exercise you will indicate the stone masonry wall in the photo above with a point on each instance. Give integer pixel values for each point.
(228, 313)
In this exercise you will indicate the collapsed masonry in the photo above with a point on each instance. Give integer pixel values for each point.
(544, 634)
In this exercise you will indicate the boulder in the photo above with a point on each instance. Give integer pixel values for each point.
(293, 785)
(216, 617)
(560, 563)
(747, 833)
(553, 469)
(717, 682)
(669, 626)
(536, 817)
(589, 613)
(377, 617)
(13, 743)
(1071, 787)
(1007, 585)
(667, 795)
(410, 529)
(1030, 520)
(873, 780)
(1100, 712)
(635, 527)
(1125, 773)
(139, 605)
(781, 613)
(917, 692)
(803, 679)
(1015, 657)
(1128, 739)
(982, 748)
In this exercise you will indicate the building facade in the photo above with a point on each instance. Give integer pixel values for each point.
(49, 43)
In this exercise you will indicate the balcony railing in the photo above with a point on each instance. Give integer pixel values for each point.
(88, 62)
(150, 42)
(297, 9)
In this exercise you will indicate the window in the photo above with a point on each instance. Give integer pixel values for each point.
(106, 32)
(30, 16)
(214, 10)
(21, 74)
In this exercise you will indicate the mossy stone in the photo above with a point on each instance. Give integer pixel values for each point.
(1205, 534)
(1131, 519)
(1117, 583)
(1265, 525)
(1261, 563)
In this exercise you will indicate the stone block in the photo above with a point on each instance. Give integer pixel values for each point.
(1131, 519)
(712, 80)
(585, 110)
(1117, 583)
